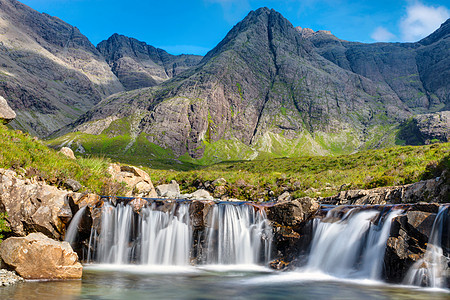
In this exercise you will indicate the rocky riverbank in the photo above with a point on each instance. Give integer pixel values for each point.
(9, 277)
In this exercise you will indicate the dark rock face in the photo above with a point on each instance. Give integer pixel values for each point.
(416, 72)
(138, 65)
(263, 85)
(50, 72)
(408, 240)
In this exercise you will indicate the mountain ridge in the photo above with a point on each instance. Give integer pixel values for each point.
(263, 87)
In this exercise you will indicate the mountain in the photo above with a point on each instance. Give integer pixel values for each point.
(269, 89)
(139, 65)
(49, 72)
(417, 73)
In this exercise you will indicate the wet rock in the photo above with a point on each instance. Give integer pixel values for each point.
(67, 152)
(291, 213)
(38, 257)
(6, 113)
(34, 206)
(137, 204)
(171, 190)
(9, 277)
(138, 182)
(280, 265)
(408, 240)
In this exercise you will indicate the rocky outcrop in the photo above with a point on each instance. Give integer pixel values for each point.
(292, 229)
(138, 65)
(138, 183)
(434, 127)
(33, 206)
(38, 257)
(6, 113)
(432, 190)
(407, 243)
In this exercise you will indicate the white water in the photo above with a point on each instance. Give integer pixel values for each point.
(352, 247)
(431, 269)
(72, 231)
(166, 237)
(238, 235)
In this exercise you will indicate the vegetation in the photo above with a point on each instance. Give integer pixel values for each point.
(253, 180)
(4, 228)
(30, 157)
(318, 175)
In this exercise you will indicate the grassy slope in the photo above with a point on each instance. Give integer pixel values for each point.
(320, 175)
(308, 175)
(30, 157)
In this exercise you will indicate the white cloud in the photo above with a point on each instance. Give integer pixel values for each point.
(421, 20)
(381, 34)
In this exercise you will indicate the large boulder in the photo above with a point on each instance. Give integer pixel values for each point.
(6, 113)
(38, 257)
(171, 190)
(34, 206)
(292, 213)
(138, 183)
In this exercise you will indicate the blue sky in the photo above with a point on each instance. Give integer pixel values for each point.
(196, 26)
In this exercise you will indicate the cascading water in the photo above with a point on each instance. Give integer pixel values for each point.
(432, 270)
(234, 234)
(72, 231)
(352, 247)
(238, 235)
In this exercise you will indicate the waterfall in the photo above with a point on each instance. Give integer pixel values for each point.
(234, 234)
(238, 235)
(352, 247)
(431, 269)
(72, 231)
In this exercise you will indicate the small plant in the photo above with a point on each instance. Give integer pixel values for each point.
(3, 225)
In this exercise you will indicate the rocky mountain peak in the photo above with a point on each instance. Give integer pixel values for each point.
(139, 65)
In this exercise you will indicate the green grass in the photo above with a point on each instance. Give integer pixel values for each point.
(252, 180)
(318, 175)
(31, 157)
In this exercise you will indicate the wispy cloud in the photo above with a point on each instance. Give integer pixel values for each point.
(381, 34)
(233, 10)
(421, 20)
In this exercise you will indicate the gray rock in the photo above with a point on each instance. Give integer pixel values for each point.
(284, 197)
(171, 190)
(72, 185)
(201, 195)
(6, 113)
(138, 65)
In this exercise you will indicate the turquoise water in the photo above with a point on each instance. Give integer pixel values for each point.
(136, 282)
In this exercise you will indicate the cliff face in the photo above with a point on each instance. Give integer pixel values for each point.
(416, 72)
(138, 65)
(264, 88)
(49, 72)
